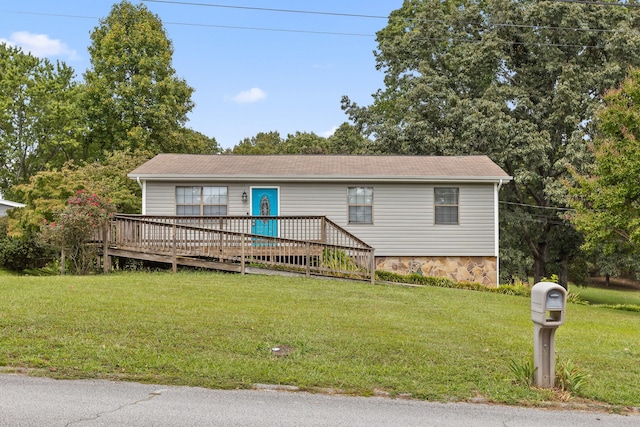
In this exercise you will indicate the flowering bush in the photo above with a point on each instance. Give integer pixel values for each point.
(85, 214)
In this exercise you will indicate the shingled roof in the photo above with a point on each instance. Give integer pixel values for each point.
(320, 167)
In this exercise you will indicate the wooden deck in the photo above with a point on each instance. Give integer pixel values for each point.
(296, 245)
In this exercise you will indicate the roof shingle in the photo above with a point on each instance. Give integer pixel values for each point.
(318, 167)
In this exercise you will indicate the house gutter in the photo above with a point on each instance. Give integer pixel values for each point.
(143, 187)
(323, 178)
(497, 230)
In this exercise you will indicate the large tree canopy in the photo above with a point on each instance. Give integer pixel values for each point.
(516, 80)
(38, 115)
(133, 98)
(607, 195)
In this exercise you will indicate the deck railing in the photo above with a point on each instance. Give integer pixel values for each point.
(311, 245)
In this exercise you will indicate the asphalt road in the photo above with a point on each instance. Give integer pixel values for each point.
(30, 401)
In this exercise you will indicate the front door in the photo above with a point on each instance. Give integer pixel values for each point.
(264, 202)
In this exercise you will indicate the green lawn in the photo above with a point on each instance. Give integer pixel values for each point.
(609, 296)
(218, 330)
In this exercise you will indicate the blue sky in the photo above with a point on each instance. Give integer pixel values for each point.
(252, 70)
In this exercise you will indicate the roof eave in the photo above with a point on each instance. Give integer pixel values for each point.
(307, 178)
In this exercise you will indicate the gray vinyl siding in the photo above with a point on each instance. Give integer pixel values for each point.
(403, 214)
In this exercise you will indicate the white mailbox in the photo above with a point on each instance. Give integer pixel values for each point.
(548, 304)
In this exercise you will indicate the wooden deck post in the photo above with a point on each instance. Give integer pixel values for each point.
(308, 272)
(373, 266)
(63, 261)
(323, 230)
(242, 253)
(174, 263)
(106, 258)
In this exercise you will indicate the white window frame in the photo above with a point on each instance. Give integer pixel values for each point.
(360, 201)
(438, 217)
(201, 199)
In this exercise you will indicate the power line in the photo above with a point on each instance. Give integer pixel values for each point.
(233, 27)
(531, 26)
(555, 208)
(57, 15)
(267, 9)
(597, 3)
(506, 42)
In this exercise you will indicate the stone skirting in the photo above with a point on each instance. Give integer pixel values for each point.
(461, 268)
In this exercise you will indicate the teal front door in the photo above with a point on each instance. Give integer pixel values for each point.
(264, 202)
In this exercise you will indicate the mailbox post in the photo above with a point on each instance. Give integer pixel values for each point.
(548, 306)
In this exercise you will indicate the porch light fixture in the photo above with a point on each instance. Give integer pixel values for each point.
(244, 196)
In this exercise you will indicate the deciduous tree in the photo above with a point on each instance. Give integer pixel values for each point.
(607, 194)
(133, 98)
(515, 80)
(39, 119)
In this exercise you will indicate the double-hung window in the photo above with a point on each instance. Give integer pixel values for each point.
(201, 201)
(446, 205)
(360, 201)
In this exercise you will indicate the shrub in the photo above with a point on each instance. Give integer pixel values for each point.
(76, 225)
(22, 252)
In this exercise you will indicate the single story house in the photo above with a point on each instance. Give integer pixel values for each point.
(431, 215)
(5, 205)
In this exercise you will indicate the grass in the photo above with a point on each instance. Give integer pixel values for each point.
(218, 331)
(607, 296)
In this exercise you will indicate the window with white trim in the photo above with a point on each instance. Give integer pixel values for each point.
(447, 206)
(360, 201)
(207, 201)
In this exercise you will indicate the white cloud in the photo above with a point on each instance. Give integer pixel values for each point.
(249, 96)
(40, 45)
(330, 132)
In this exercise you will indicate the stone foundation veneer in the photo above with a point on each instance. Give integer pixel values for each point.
(462, 268)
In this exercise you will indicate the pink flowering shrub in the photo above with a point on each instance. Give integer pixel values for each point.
(74, 228)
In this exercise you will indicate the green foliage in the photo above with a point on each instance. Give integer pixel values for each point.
(74, 227)
(523, 372)
(444, 282)
(133, 99)
(47, 192)
(569, 377)
(39, 119)
(623, 307)
(345, 140)
(337, 260)
(21, 252)
(262, 143)
(552, 279)
(348, 140)
(605, 195)
(458, 83)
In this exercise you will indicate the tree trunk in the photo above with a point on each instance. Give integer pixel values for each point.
(563, 280)
(540, 262)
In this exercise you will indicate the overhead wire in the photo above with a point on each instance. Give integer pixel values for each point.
(352, 15)
(597, 3)
(267, 9)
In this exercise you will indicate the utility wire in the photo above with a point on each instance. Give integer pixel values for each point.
(267, 9)
(232, 27)
(506, 42)
(597, 3)
(536, 206)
